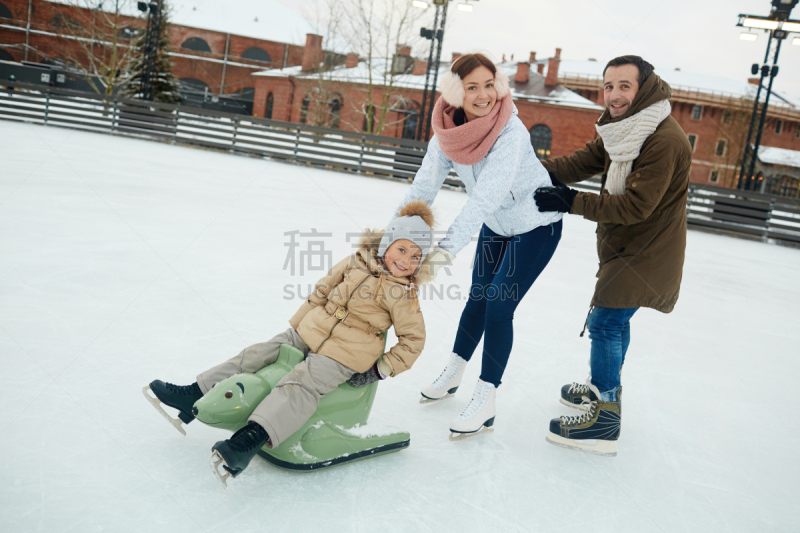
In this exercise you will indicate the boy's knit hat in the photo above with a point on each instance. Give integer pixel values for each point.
(414, 222)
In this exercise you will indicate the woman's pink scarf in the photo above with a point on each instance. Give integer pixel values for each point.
(469, 143)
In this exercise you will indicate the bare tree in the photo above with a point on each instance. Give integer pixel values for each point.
(374, 30)
(98, 40)
(322, 103)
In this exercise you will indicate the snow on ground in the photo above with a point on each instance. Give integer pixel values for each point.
(125, 261)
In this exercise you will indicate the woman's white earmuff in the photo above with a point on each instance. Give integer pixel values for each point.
(452, 89)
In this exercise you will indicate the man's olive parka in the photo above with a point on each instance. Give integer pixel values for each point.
(641, 234)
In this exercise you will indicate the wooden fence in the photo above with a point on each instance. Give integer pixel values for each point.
(718, 208)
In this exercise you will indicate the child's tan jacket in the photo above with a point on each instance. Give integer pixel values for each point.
(355, 302)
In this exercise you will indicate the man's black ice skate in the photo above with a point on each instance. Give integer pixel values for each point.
(236, 453)
(595, 431)
(572, 395)
(180, 397)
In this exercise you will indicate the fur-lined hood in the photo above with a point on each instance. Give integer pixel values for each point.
(368, 251)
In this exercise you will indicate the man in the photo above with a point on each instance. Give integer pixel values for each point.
(645, 158)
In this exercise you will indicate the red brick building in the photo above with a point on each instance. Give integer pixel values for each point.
(560, 120)
(223, 62)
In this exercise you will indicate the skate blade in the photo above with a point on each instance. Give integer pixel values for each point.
(461, 436)
(425, 399)
(606, 448)
(580, 406)
(155, 402)
(218, 467)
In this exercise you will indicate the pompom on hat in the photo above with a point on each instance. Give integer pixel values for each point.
(414, 222)
(452, 87)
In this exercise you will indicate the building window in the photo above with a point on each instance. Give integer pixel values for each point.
(270, 103)
(721, 148)
(5, 56)
(304, 110)
(778, 126)
(692, 141)
(697, 112)
(5, 13)
(127, 33)
(714, 177)
(726, 117)
(336, 113)
(255, 53)
(197, 44)
(541, 139)
(410, 123)
(797, 131)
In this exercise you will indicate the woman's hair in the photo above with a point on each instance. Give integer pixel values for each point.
(469, 62)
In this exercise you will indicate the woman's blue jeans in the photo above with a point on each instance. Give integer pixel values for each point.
(504, 270)
(610, 331)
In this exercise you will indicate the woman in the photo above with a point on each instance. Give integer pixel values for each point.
(477, 132)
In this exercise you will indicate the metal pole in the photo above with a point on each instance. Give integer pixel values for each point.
(741, 183)
(772, 74)
(436, 72)
(28, 29)
(420, 126)
(224, 64)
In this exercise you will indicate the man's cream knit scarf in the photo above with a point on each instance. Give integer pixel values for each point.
(623, 140)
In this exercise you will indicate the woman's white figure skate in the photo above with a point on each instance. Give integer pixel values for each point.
(448, 381)
(478, 416)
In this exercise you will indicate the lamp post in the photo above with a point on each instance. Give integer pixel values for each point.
(153, 10)
(436, 36)
(779, 27)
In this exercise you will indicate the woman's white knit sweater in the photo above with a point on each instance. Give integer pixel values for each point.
(500, 187)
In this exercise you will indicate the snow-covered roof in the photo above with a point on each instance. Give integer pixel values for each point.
(560, 96)
(779, 156)
(262, 19)
(535, 90)
(678, 80)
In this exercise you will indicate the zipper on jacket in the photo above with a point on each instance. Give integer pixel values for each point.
(345, 306)
(586, 322)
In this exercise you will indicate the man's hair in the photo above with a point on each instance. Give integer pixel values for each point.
(645, 68)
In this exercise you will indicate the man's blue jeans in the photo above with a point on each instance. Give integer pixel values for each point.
(610, 331)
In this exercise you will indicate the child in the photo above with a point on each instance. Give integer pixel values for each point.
(338, 328)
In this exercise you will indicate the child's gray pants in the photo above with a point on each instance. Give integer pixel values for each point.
(296, 397)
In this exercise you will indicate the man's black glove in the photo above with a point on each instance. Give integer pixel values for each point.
(558, 198)
(554, 180)
(365, 378)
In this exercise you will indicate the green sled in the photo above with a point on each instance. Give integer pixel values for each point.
(335, 434)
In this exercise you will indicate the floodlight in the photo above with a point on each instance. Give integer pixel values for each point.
(745, 36)
(465, 7)
(796, 41)
(791, 26)
(761, 23)
(420, 4)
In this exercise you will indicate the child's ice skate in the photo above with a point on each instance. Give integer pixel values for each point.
(234, 454)
(448, 381)
(180, 397)
(478, 416)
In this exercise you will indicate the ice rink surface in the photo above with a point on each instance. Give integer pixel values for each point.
(124, 261)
